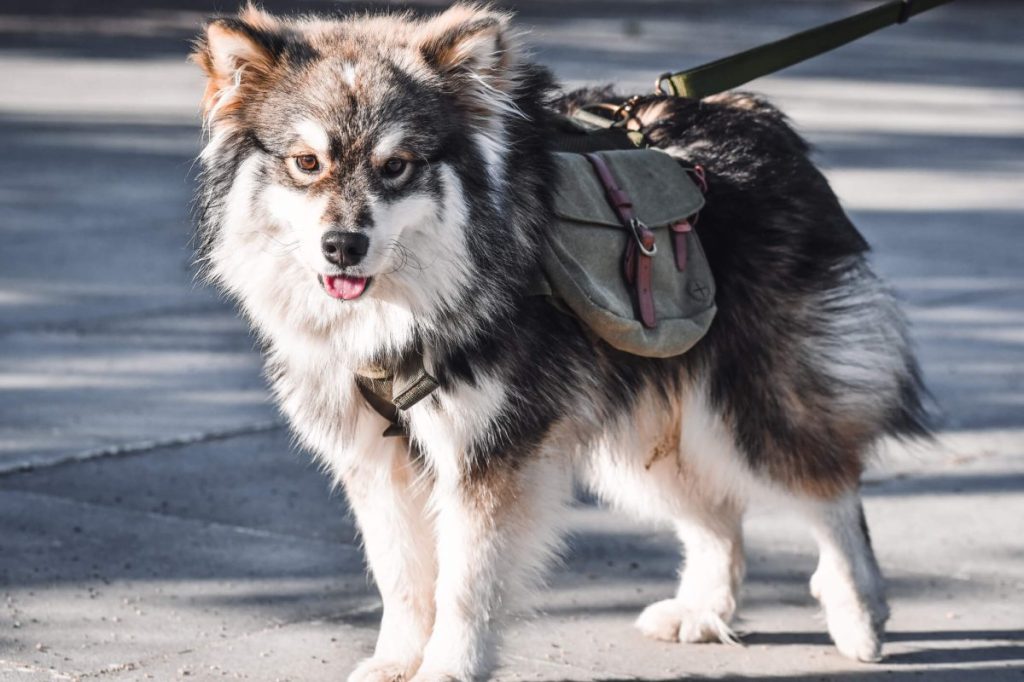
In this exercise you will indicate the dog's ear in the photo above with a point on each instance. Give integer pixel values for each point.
(474, 49)
(237, 54)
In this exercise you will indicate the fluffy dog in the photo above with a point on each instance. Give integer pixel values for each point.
(376, 189)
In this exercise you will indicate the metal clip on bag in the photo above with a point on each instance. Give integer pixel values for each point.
(622, 255)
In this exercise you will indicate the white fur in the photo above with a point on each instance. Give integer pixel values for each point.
(389, 143)
(417, 251)
(709, 585)
(434, 266)
(492, 146)
(390, 504)
(303, 218)
(314, 134)
(348, 73)
(486, 560)
(680, 465)
(847, 581)
(696, 454)
(213, 146)
(460, 417)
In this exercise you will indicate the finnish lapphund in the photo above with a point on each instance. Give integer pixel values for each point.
(375, 188)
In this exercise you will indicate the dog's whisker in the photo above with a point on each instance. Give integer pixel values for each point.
(406, 259)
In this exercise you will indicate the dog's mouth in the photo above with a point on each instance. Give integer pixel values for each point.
(344, 287)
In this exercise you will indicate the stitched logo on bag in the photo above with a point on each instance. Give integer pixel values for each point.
(698, 290)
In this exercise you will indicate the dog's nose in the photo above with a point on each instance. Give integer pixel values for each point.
(344, 248)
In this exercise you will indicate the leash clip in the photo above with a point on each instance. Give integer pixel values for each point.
(665, 78)
(625, 112)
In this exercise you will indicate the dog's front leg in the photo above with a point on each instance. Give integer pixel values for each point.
(389, 502)
(495, 529)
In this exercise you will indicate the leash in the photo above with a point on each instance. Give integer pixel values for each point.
(730, 72)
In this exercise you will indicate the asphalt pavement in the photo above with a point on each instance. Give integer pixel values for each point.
(156, 521)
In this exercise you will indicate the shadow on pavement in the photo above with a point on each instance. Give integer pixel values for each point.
(985, 674)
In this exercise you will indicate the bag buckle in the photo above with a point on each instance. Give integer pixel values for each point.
(642, 234)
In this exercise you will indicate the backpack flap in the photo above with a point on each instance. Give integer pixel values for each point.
(660, 188)
(584, 261)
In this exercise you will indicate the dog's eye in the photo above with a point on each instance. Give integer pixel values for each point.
(307, 163)
(393, 167)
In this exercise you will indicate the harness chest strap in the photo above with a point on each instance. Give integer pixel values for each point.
(389, 399)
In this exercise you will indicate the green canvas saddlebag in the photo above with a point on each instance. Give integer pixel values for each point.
(621, 254)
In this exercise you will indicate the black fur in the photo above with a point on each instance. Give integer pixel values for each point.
(775, 236)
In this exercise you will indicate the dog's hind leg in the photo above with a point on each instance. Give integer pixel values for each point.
(675, 462)
(711, 577)
(848, 582)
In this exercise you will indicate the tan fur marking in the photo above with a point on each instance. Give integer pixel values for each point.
(669, 442)
(653, 113)
(736, 100)
(257, 18)
(463, 37)
(232, 62)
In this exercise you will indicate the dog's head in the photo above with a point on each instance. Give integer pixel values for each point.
(353, 163)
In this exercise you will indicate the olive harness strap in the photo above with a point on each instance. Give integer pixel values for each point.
(389, 397)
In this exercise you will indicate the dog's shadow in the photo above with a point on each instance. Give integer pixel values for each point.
(1002, 650)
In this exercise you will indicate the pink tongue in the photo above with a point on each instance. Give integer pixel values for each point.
(346, 288)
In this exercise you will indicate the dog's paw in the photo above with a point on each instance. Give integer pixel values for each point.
(437, 676)
(855, 632)
(380, 670)
(661, 620)
(856, 621)
(672, 620)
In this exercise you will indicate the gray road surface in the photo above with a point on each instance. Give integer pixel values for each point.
(155, 522)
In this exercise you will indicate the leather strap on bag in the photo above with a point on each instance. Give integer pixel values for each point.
(679, 231)
(682, 228)
(638, 259)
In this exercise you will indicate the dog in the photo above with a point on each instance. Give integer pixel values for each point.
(376, 189)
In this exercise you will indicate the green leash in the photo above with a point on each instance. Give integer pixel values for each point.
(730, 72)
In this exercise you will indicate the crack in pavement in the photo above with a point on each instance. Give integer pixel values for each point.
(206, 523)
(7, 665)
(140, 447)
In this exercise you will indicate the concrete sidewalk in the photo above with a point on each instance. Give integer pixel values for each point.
(155, 522)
